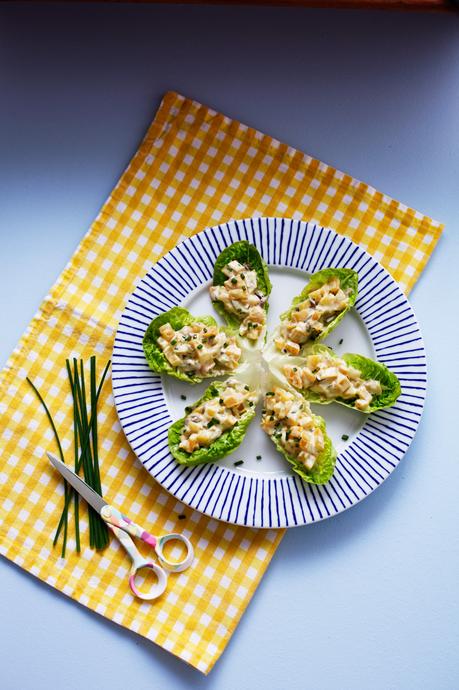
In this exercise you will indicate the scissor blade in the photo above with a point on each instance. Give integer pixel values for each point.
(89, 495)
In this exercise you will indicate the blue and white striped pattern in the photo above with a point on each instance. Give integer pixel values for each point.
(261, 501)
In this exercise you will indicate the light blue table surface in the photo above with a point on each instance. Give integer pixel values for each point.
(369, 599)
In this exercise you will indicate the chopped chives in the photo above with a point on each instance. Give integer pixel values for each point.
(345, 437)
(238, 462)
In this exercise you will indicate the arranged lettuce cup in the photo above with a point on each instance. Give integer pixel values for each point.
(215, 425)
(299, 435)
(191, 348)
(351, 380)
(317, 310)
(240, 289)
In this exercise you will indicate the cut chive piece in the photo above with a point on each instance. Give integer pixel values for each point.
(183, 397)
(345, 437)
(238, 462)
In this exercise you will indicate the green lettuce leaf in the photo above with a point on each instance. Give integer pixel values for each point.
(348, 281)
(324, 466)
(247, 254)
(369, 369)
(178, 317)
(222, 446)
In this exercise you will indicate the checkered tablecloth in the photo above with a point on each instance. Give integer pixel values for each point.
(194, 168)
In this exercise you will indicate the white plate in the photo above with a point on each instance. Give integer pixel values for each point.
(265, 493)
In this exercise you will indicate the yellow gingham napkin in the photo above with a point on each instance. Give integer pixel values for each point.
(195, 168)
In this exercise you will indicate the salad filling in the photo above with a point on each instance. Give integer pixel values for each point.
(199, 349)
(331, 377)
(207, 422)
(240, 295)
(311, 316)
(289, 420)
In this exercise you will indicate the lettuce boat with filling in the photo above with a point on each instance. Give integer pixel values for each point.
(241, 288)
(299, 435)
(317, 310)
(352, 380)
(215, 425)
(190, 348)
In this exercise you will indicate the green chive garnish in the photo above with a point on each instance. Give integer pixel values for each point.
(238, 462)
(183, 397)
(345, 437)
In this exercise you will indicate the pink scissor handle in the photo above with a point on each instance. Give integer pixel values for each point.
(139, 563)
(156, 589)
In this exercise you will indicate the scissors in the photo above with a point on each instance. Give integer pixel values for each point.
(122, 527)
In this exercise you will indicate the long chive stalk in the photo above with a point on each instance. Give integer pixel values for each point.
(102, 529)
(76, 497)
(61, 454)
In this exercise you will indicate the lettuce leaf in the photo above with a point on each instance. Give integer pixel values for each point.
(177, 317)
(324, 466)
(222, 446)
(248, 254)
(369, 369)
(348, 281)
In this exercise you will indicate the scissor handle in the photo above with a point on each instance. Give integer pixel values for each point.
(177, 566)
(156, 589)
(138, 564)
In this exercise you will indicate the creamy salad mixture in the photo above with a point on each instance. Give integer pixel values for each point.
(332, 378)
(240, 296)
(288, 419)
(199, 349)
(211, 419)
(312, 316)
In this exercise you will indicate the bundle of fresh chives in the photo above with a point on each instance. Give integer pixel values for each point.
(85, 450)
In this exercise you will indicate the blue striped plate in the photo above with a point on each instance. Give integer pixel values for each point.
(262, 492)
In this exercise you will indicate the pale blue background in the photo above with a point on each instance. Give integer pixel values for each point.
(368, 600)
